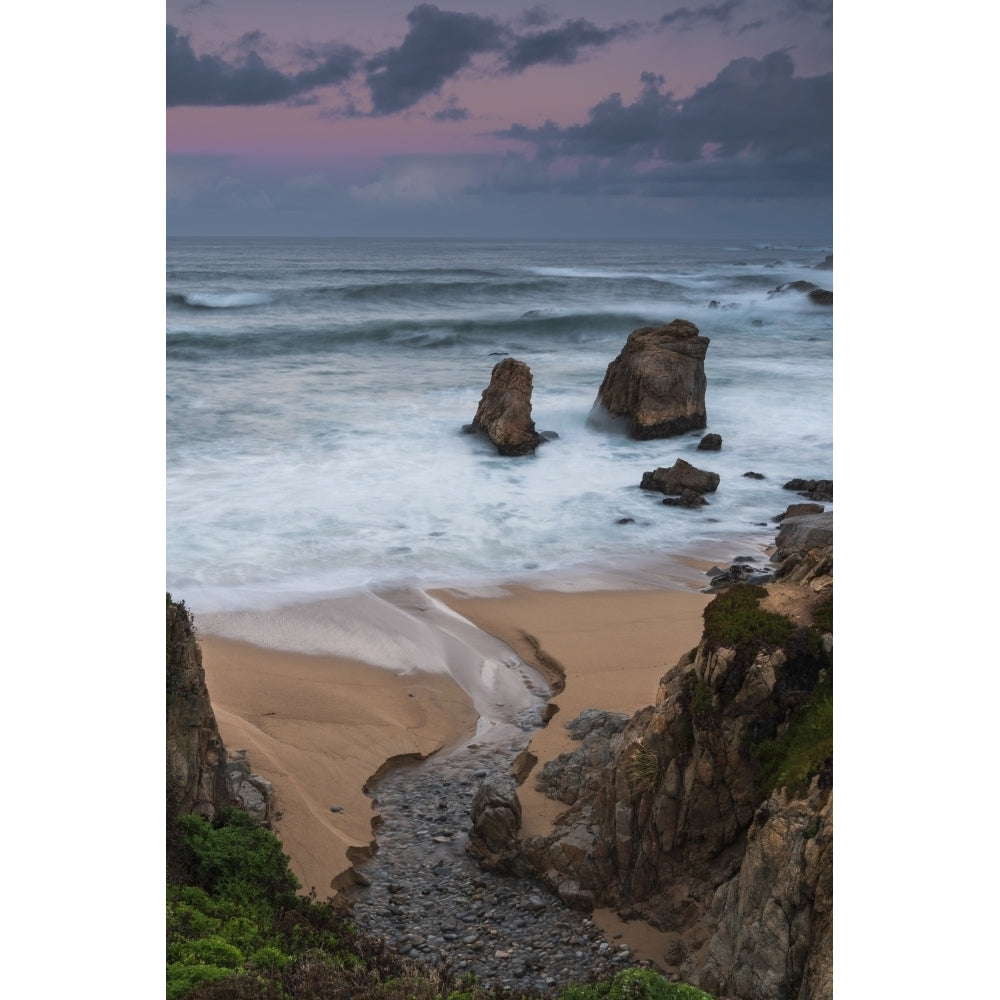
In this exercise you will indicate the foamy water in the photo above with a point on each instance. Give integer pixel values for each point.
(317, 390)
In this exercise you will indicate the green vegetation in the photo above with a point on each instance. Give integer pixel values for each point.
(643, 769)
(735, 620)
(237, 930)
(804, 748)
(823, 615)
(635, 984)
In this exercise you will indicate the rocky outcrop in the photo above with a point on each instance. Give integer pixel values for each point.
(656, 385)
(680, 477)
(821, 296)
(673, 816)
(811, 489)
(201, 777)
(197, 775)
(710, 442)
(504, 412)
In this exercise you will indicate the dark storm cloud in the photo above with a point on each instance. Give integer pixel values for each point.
(754, 122)
(560, 45)
(438, 45)
(753, 105)
(212, 80)
(684, 18)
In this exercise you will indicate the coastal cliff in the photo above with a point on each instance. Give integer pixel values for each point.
(709, 814)
(202, 777)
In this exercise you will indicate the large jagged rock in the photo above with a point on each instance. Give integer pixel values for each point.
(504, 412)
(201, 776)
(657, 383)
(496, 820)
(197, 764)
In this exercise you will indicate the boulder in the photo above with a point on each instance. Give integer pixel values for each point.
(826, 264)
(657, 383)
(710, 442)
(496, 820)
(679, 477)
(799, 534)
(800, 510)
(821, 296)
(811, 489)
(504, 412)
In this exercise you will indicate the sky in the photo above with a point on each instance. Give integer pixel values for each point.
(488, 118)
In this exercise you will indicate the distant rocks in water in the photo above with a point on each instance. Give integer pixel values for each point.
(714, 304)
(821, 296)
(753, 475)
(504, 412)
(710, 442)
(756, 323)
(800, 510)
(811, 489)
(625, 520)
(681, 477)
(656, 385)
(826, 265)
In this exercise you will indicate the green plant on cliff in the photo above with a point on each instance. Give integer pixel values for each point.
(643, 769)
(735, 620)
(804, 747)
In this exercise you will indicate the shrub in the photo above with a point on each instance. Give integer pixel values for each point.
(643, 769)
(735, 620)
(647, 984)
(238, 859)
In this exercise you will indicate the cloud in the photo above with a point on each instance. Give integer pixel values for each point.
(753, 105)
(451, 112)
(438, 45)
(684, 18)
(214, 81)
(560, 45)
(755, 127)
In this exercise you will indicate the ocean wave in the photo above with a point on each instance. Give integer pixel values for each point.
(220, 300)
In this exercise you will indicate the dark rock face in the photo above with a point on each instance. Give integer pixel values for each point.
(201, 777)
(496, 820)
(811, 489)
(197, 764)
(753, 475)
(657, 383)
(826, 264)
(504, 412)
(679, 477)
(710, 442)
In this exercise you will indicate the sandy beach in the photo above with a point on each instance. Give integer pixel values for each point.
(319, 727)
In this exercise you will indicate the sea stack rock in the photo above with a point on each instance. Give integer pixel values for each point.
(504, 412)
(657, 383)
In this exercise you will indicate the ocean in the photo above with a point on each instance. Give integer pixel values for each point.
(317, 390)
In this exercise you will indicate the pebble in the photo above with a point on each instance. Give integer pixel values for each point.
(430, 900)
